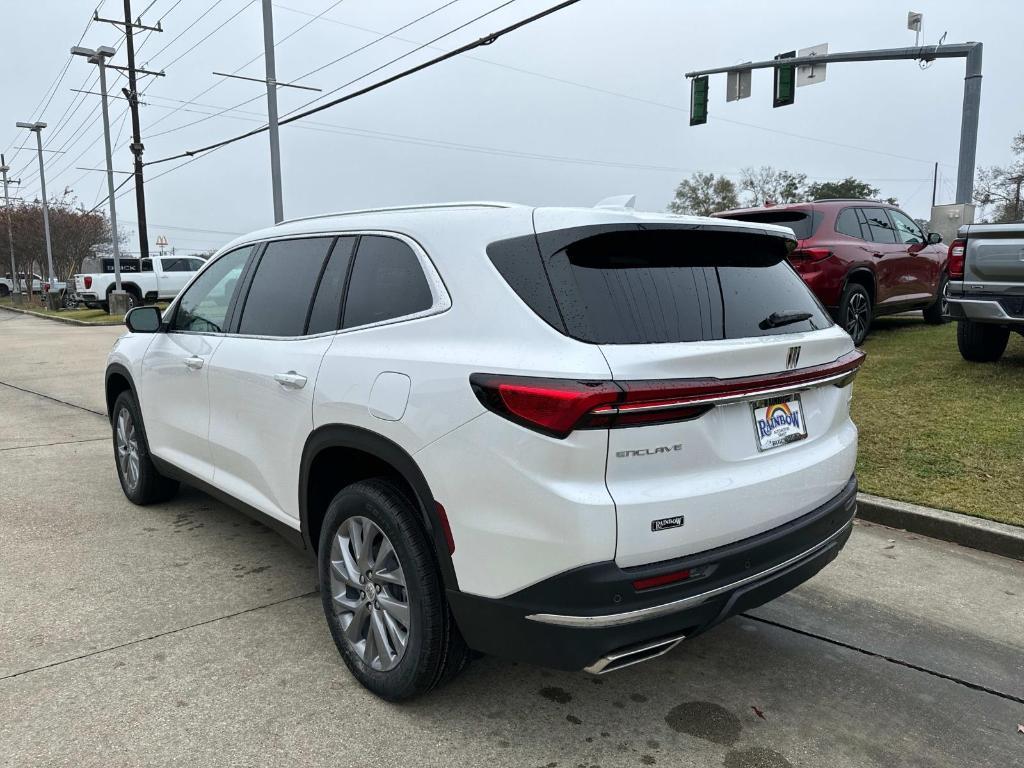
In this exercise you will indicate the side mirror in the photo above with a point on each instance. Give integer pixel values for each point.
(143, 320)
(934, 238)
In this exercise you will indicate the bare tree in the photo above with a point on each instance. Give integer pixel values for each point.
(766, 185)
(998, 189)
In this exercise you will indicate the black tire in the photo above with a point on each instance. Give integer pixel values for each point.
(4, 290)
(145, 485)
(855, 312)
(105, 306)
(434, 650)
(981, 342)
(935, 313)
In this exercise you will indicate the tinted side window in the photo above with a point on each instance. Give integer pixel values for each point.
(906, 228)
(387, 282)
(282, 288)
(879, 225)
(326, 312)
(146, 265)
(204, 305)
(847, 224)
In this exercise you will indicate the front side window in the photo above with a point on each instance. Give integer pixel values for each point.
(204, 306)
(906, 228)
(387, 282)
(879, 225)
(282, 289)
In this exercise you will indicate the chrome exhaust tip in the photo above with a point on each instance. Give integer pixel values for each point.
(634, 654)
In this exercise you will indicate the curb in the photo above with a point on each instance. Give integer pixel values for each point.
(67, 320)
(973, 532)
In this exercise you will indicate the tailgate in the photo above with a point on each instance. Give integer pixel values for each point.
(995, 257)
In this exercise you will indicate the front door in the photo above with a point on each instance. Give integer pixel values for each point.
(893, 265)
(174, 387)
(263, 375)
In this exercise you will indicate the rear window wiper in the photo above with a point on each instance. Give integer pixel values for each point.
(778, 319)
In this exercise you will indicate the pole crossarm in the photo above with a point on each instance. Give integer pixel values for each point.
(137, 70)
(921, 53)
(135, 24)
(278, 83)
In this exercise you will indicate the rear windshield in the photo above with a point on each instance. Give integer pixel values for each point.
(803, 223)
(641, 285)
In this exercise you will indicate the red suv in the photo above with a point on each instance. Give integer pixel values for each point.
(862, 259)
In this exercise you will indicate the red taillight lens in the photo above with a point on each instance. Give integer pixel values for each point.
(442, 516)
(558, 406)
(810, 254)
(660, 581)
(88, 281)
(552, 406)
(957, 254)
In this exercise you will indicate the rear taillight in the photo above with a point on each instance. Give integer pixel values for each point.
(556, 407)
(88, 281)
(810, 254)
(660, 581)
(957, 253)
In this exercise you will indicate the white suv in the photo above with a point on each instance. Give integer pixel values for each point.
(566, 436)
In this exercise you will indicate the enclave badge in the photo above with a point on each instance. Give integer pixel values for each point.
(667, 522)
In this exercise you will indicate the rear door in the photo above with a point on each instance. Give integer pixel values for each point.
(668, 307)
(263, 374)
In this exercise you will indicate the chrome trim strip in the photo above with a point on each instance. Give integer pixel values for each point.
(654, 611)
(759, 394)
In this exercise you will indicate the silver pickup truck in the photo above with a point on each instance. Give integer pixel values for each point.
(985, 293)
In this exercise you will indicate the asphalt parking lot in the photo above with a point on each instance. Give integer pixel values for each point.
(184, 633)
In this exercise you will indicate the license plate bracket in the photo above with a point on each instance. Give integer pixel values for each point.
(778, 421)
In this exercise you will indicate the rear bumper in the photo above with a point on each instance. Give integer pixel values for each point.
(1001, 311)
(592, 617)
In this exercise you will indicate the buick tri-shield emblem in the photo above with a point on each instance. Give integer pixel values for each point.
(793, 358)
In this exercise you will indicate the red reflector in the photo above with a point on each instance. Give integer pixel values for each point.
(957, 256)
(88, 281)
(442, 516)
(660, 581)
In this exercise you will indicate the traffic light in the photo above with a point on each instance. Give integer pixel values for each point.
(785, 81)
(699, 100)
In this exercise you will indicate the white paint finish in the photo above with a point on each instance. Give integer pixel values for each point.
(175, 400)
(389, 396)
(259, 426)
(522, 506)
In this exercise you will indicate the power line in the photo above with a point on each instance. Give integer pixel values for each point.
(382, 36)
(486, 40)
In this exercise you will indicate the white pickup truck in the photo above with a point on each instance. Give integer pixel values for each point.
(158, 277)
(7, 284)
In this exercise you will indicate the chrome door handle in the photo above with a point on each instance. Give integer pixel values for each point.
(195, 363)
(290, 380)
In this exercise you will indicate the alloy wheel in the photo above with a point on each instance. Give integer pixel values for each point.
(127, 449)
(369, 593)
(857, 311)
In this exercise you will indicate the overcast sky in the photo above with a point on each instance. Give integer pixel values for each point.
(585, 104)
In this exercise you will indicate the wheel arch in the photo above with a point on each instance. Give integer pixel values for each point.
(116, 380)
(866, 277)
(337, 455)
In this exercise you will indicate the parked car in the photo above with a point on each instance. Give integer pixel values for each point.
(68, 299)
(572, 437)
(862, 259)
(7, 284)
(150, 279)
(986, 289)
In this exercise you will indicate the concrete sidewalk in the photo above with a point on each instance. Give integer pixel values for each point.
(183, 633)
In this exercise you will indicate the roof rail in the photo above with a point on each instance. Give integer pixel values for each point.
(848, 200)
(387, 209)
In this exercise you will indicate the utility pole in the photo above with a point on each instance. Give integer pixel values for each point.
(15, 282)
(117, 306)
(275, 143)
(131, 93)
(970, 51)
(37, 129)
(935, 182)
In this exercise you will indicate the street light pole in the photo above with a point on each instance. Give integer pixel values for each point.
(15, 282)
(37, 129)
(98, 57)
